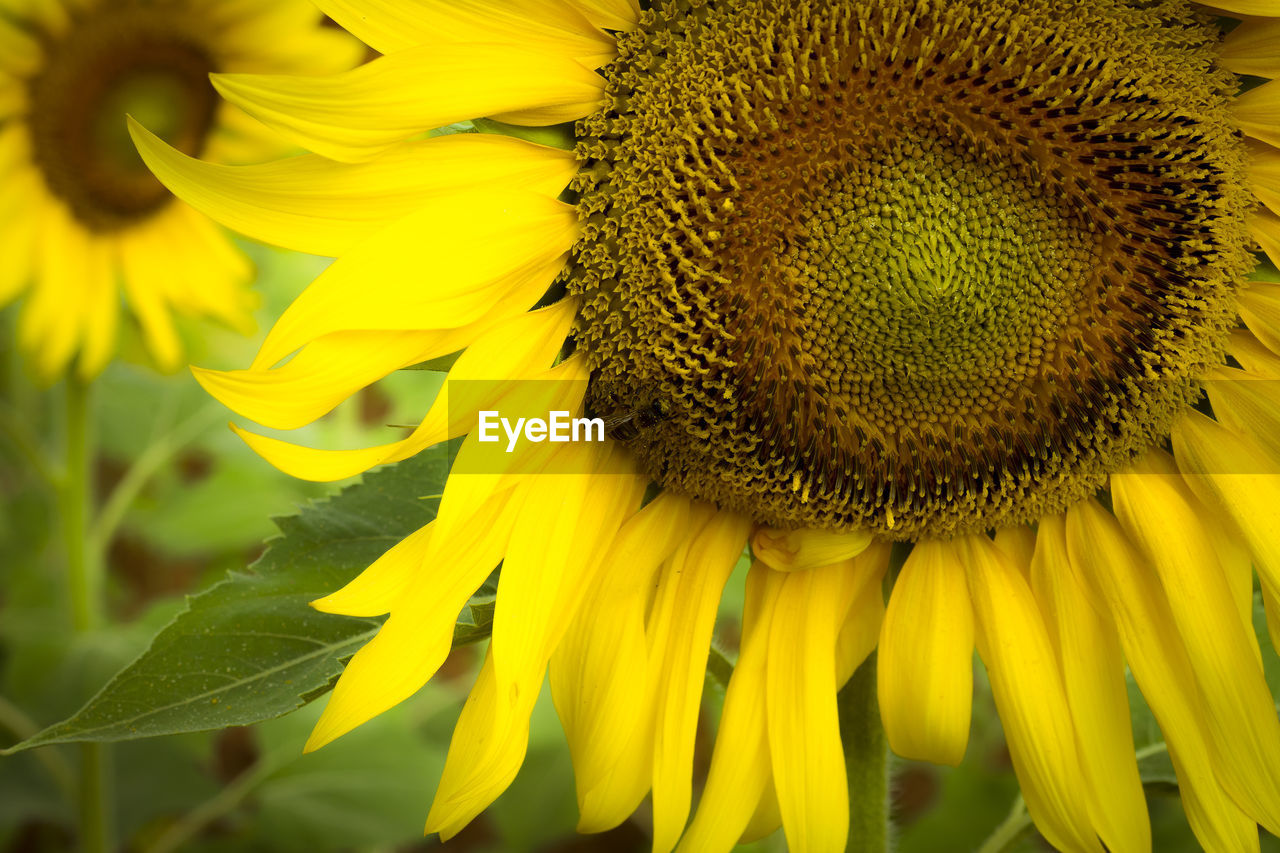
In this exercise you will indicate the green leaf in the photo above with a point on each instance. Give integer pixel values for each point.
(476, 621)
(1155, 768)
(555, 136)
(719, 668)
(250, 648)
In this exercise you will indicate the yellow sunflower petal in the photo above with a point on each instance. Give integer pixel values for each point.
(331, 368)
(52, 18)
(806, 548)
(180, 263)
(740, 766)
(252, 39)
(800, 697)
(378, 588)
(1217, 822)
(546, 564)
(310, 204)
(143, 280)
(358, 114)
(598, 672)
(1264, 171)
(13, 96)
(614, 797)
(620, 15)
(1229, 471)
(1253, 355)
(1237, 562)
(391, 667)
(1158, 660)
(1088, 652)
(1019, 544)
(1247, 403)
(20, 51)
(925, 676)
(100, 302)
(1253, 48)
(1257, 112)
(483, 733)
(620, 793)
(681, 623)
(1156, 509)
(414, 642)
(555, 550)
(22, 200)
(514, 350)
(464, 496)
(862, 624)
(768, 816)
(1029, 695)
(551, 25)
(16, 271)
(1265, 227)
(327, 371)
(46, 330)
(1265, 8)
(1260, 309)
(217, 285)
(441, 267)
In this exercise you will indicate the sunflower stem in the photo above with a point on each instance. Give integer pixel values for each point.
(84, 593)
(866, 757)
(1015, 826)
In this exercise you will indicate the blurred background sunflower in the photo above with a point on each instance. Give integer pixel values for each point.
(85, 227)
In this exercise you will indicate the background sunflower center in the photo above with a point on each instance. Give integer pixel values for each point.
(928, 268)
(136, 61)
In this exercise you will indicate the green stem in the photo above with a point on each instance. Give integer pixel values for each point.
(84, 591)
(93, 799)
(224, 802)
(83, 569)
(1016, 824)
(158, 452)
(866, 756)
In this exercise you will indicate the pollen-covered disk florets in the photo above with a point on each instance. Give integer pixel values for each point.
(922, 267)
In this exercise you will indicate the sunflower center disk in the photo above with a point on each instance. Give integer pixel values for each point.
(135, 61)
(924, 282)
(928, 268)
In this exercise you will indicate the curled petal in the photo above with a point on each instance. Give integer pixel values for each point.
(925, 676)
(806, 548)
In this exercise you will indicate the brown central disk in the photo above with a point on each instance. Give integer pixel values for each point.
(119, 58)
(929, 268)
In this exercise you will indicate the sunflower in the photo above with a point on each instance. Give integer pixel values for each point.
(972, 277)
(83, 220)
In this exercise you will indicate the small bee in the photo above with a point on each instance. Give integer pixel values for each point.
(630, 425)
